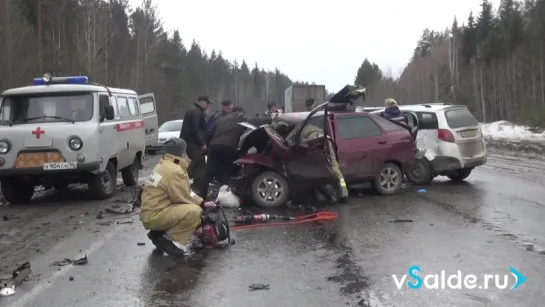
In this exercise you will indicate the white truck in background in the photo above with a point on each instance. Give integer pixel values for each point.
(297, 94)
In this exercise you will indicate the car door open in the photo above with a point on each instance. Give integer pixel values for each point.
(148, 108)
(308, 163)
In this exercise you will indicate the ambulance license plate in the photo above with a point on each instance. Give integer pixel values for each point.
(60, 166)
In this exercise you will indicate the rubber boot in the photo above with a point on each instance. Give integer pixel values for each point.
(154, 234)
(168, 247)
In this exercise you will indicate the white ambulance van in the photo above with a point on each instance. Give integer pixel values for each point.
(64, 130)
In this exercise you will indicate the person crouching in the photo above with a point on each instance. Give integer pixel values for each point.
(170, 210)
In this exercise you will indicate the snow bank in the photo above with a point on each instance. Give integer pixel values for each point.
(503, 136)
(509, 131)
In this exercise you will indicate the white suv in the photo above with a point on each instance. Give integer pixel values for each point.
(452, 138)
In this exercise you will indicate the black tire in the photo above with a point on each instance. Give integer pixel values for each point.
(17, 192)
(389, 180)
(419, 171)
(276, 197)
(459, 175)
(130, 173)
(105, 190)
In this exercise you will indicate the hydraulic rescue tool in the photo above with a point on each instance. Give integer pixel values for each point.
(249, 218)
(215, 227)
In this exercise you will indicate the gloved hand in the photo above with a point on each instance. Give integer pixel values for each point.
(209, 204)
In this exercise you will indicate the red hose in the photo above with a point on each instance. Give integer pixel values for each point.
(315, 217)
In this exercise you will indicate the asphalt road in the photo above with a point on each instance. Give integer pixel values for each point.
(483, 226)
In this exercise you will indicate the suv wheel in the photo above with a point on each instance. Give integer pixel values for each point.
(389, 179)
(459, 175)
(419, 171)
(102, 185)
(17, 192)
(269, 190)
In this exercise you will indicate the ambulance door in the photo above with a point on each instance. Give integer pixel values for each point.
(148, 109)
(107, 145)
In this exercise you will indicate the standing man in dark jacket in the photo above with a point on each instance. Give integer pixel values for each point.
(194, 134)
(222, 150)
(227, 108)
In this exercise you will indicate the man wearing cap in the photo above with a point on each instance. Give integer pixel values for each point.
(194, 133)
(227, 108)
(170, 210)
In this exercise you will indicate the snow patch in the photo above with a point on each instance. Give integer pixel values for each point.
(508, 131)
(507, 138)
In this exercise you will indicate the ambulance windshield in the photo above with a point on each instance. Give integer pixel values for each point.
(58, 107)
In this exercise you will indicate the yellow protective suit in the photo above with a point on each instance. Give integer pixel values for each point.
(168, 204)
(311, 132)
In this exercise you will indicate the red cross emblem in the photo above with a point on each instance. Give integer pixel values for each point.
(38, 132)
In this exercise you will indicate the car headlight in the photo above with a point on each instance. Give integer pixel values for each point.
(4, 147)
(75, 143)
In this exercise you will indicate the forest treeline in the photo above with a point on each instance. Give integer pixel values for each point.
(493, 62)
(120, 46)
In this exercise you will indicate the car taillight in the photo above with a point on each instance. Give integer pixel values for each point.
(445, 135)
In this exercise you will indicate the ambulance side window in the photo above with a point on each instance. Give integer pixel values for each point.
(113, 103)
(133, 107)
(103, 101)
(123, 106)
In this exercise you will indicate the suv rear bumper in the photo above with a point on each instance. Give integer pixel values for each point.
(443, 164)
(82, 167)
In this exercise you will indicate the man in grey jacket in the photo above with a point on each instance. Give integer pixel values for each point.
(222, 149)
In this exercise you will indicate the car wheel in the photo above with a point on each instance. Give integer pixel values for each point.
(130, 173)
(419, 171)
(17, 192)
(103, 185)
(269, 190)
(389, 179)
(459, 175)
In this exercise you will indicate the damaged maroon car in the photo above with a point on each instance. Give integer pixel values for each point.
(277, 165)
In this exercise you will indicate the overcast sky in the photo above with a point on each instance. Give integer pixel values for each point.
(316, 41)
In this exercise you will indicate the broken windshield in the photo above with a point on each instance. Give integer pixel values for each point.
(69, 107)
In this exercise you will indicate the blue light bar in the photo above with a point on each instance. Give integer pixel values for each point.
(61, 80)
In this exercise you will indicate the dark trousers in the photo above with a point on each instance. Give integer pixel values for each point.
(196, 167)
(219, 165)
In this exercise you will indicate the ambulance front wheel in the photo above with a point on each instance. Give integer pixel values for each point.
(16, 191)
(102, 185)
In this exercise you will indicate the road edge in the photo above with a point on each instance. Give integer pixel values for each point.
(527, 148)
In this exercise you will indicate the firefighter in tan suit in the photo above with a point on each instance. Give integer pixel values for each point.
(311, 132)
(170, 210)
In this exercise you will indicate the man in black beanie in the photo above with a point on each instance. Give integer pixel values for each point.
(194, 134)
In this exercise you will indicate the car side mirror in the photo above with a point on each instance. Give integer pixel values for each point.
(109, 112)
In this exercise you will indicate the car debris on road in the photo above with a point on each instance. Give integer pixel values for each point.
(66, 261)
(401, 221)
(254, 287)
(19, 275)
